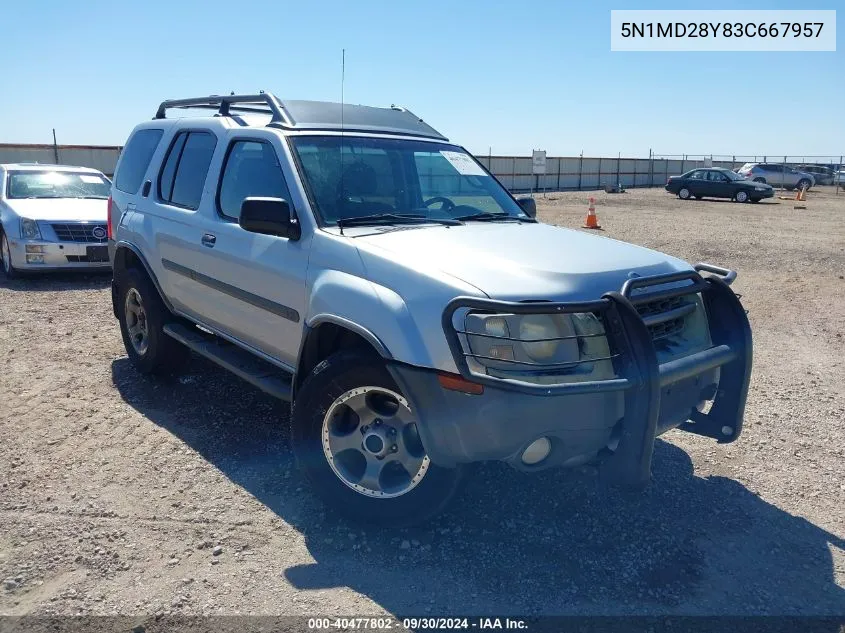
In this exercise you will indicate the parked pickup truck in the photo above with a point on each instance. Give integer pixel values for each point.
(353, 261)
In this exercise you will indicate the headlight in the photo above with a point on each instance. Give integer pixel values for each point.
(538, 347)
(29, 229)
(759, 188)
(540, 328)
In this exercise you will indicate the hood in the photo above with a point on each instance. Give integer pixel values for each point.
(60, 209)
(510, 261)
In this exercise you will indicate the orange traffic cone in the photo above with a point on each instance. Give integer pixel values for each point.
(592, 222)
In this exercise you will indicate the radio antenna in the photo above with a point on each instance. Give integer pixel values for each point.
(340, 149)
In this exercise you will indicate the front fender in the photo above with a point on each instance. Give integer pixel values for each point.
(376, 313)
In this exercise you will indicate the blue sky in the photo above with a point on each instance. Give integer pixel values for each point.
(511, 75)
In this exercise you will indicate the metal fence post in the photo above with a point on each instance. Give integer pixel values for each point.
(599, 182)
(650, 168)
(580, 168)
(513, 174)
(783, 174)
(559, 159)
(618, 161)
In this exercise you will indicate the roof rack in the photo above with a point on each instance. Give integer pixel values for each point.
(261, 103)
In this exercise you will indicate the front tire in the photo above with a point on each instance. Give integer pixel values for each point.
(741, 196)
(142, 316)
(6, 256)
(354, 437)
(684, 193)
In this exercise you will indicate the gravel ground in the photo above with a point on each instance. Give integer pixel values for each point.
(121, 494)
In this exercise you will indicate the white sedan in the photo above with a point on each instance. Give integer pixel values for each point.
(52, 217)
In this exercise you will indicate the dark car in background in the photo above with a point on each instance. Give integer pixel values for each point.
(823, 175)
(715, 182)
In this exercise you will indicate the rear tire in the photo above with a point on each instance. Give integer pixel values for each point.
(804, 184)
(142, 316)
(684, 193)
(6, 256)
(320, 417)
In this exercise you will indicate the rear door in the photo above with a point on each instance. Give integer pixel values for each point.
(697, 183)
(173, 211)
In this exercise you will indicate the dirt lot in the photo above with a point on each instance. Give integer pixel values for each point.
(115, 489)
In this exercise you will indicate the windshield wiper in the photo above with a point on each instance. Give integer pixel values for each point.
(492, 217)
(376, 219)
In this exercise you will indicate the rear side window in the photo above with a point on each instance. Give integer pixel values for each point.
(251, 170)
(185, 168)
(135, 159)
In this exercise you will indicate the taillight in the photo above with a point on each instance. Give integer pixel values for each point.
(109, 231)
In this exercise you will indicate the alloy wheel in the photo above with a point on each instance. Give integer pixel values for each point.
(371, 442)
(136, 321)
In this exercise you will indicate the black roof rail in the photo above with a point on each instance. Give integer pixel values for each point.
(261, 103)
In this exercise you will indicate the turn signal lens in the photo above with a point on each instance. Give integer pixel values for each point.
(454, 382)
(109, 231)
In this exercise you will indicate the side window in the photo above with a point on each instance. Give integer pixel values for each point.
(135, 159)
(698, 175)
(251, 169)
(168, 172)
(183, 175)
(716, 176)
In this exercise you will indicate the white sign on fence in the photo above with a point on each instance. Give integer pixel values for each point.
(538, 162)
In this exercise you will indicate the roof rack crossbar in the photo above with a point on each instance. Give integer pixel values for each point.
(224, 104)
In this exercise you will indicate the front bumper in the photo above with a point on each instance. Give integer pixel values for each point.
(57, 255)
(617, 419)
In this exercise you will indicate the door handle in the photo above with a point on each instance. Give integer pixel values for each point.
(209, 240)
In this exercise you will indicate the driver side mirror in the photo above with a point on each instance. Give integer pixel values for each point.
(529, 205)
(269, 216)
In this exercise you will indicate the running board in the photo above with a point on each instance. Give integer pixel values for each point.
(267, 377)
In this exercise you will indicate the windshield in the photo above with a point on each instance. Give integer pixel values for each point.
(352, 177)
(57, 184)
(733, 175)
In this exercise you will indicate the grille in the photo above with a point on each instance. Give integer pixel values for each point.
(661, 328)
(78, 232)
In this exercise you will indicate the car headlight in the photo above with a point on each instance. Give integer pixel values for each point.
(29, 229)
(542, 328)
(759, 188)
(539, 348)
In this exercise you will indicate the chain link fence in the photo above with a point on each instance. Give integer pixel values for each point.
(576, 173)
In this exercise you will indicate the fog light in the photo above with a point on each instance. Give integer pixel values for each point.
(34, 248)
(537, 451)
(34, 259)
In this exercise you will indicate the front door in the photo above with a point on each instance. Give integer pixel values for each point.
(719, 185)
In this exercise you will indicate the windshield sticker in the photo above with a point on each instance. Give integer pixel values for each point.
(463, 163)
(91, 180)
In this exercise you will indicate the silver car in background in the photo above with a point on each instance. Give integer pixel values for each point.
(52, 217)
(777, 175)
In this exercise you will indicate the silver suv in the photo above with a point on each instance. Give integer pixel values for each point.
(778, 175)
(353, 261)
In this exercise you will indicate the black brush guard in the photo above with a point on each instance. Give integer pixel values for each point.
(638, 372)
